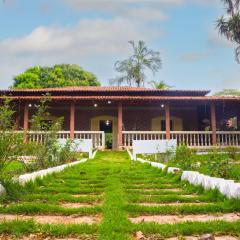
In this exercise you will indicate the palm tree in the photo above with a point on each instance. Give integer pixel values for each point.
(160, 85)
(229, 26)
(133, 69)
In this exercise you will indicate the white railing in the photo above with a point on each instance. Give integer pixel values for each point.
(193, 138)
(129, 136)
(226, 138)
(98, 137)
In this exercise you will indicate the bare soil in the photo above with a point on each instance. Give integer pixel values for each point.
(156, 237)
(216, 238)
(51, 219)
(78, 205)
(171, 219)
(151, 204)
(44, 237)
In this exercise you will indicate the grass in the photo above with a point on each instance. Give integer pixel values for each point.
(213, 163)
(118, 185)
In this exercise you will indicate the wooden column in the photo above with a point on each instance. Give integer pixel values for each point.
(167, 120)
(26, 122)
(213, 123)
(72, 120)
(120, 125)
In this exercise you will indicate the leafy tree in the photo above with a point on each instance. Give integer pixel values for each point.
(133, 69)
(229, 25)
(160, 85)
(10, 141)
(228, 92)
(60, 75)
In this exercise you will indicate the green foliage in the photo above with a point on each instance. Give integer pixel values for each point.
(109, 140)
(232, 152)
(160, 85)
(228, 92)
(6, 115)
(60, 75)
(10, 141)
(133, 69)
(229, 26)
(183, 157)
(50, 153)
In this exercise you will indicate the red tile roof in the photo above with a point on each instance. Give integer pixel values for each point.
(128, 98)
(121, 91)
(103, 89)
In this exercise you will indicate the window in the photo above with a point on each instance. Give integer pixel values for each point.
(163, 125)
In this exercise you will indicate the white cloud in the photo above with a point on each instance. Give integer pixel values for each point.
(214, 38)
(146, 14)
(85, 42)
(114, 5)
(195, 56)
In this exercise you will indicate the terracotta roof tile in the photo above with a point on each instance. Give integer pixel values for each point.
(107, 89)
(128, 98)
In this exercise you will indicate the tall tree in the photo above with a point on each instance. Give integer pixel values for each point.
(60, 75)
(160, 85)
(133, 68)
(229, 25)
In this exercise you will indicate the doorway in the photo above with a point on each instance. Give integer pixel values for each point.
(107, 127)
(99, 123)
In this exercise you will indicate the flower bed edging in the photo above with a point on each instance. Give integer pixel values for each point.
(23, 179)
(228, 188)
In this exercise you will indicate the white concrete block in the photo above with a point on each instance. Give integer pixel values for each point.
(2, 190)
(173, 170)
(23, 179)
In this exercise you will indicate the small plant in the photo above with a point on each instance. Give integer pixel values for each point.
(50, 153)
(108, 140)
(183, 157)
(232, 152)
(10, 141)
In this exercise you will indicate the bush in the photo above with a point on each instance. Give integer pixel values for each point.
(108, 139)
(232, 152)
(183, 157)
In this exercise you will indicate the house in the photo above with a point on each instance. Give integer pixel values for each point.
(190, 116)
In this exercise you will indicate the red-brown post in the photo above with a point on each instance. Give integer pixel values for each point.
(26, 122)
(72, 120)
(213, 123)
(120, 125)
(167, 120)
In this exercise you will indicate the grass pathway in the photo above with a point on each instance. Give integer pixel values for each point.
(113, 198)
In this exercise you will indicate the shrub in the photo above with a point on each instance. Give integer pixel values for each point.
(108, 139)
(232, 152)
(10, 141)
(183, 157)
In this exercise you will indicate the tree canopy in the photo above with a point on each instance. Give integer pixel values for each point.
(60, 75)
(229, 25)
(133, 68)
(228, 93)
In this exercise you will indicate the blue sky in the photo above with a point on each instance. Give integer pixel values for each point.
(95, 33)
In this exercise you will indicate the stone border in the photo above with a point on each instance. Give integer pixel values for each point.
(228, 188)
(23, 179)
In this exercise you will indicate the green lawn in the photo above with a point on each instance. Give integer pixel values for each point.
(115, 190)
(14, 168)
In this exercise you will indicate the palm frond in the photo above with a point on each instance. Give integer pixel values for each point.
(237, 54)
(230, 6)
